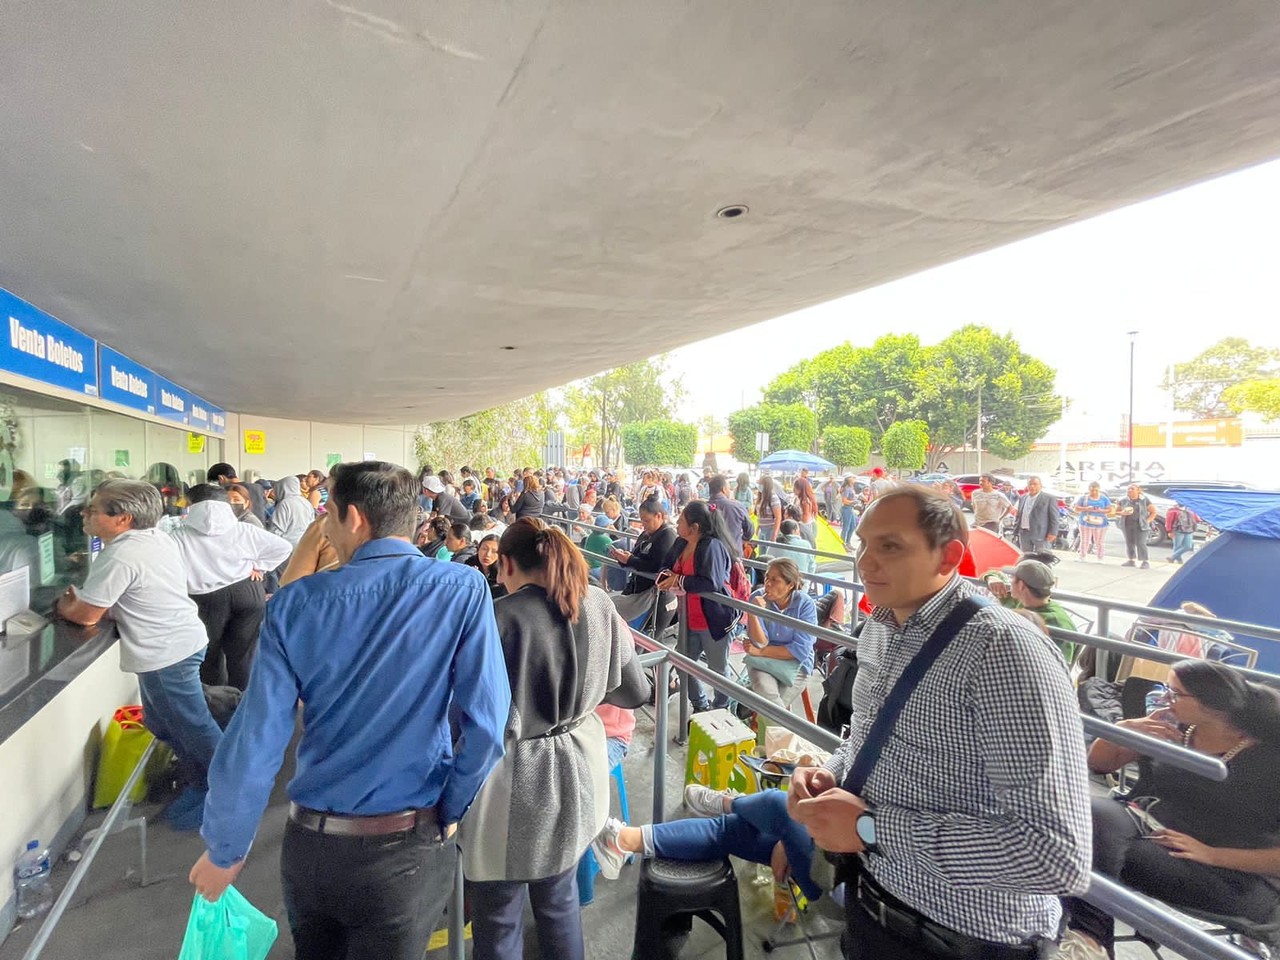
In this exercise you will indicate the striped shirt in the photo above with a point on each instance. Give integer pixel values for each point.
(981, 795)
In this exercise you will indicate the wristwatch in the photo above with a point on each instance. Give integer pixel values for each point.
(866, 826)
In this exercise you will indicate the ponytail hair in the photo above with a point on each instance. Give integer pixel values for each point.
(535, 547)
(710, 524)
(1252, 708)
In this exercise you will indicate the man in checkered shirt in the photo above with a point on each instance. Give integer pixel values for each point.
(976, 818)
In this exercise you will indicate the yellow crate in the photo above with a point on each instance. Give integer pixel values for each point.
(716, 739)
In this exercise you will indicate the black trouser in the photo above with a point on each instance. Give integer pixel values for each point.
(365, 897)
(1120, 851)
(231, 616)
(865, 939)
(1135, 542)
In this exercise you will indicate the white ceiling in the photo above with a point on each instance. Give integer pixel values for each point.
(343, 212)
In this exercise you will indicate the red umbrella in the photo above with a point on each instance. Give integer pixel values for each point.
(987, 551)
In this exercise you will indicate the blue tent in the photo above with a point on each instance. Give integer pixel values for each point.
(1235, 575)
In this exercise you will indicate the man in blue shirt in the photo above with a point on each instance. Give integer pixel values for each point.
(380, 652)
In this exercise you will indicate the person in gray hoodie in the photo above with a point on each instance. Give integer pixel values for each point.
(293, 512)
(224, 561)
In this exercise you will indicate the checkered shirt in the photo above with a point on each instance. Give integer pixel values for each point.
(981, 794)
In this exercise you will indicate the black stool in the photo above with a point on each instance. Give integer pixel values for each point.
(672, 893)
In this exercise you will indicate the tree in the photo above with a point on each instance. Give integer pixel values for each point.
(978, 372)
(663, 442)
(905, 445)
(846, 446)
(897, 379)
(791, 426)
(597, 407)
(507, 436)
(867, 387)
(1199, 384)
(1255, 396)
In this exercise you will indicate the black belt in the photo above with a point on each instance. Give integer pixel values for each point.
(573, 724)
(350, 826)
(915, 929)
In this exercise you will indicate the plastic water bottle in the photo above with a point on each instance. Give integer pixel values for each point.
(31, 882)
(1157, 699)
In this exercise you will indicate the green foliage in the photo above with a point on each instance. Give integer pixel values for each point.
(897, 379)
(1018, 404)
(1199, 385)
(846, 446)
(508, 436)
(868, 387)
(905, 445)
(660, 443)
(791, 426)
(1255, 396)
(597, 407)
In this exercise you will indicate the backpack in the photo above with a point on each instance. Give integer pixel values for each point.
(836, 707)
(1186, 521)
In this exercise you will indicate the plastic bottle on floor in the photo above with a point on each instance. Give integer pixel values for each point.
(31, 882)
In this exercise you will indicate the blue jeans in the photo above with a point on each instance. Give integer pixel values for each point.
(497, 917)
(174, 709)
(758, 822)
(616, 750)
(717, 652)
(848, 523)
(1183, 543)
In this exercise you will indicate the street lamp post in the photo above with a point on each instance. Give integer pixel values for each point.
(1133, 339)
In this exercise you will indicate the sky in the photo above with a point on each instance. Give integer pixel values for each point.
(1185, 270)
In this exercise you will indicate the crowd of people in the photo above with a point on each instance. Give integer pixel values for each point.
(461, 655)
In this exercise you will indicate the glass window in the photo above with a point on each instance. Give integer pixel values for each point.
(53, 453)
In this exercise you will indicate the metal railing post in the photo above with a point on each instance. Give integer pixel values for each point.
(77, 876)
(660, 712)
(682, 647)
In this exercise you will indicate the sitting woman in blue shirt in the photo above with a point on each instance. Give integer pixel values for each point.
(780, 657)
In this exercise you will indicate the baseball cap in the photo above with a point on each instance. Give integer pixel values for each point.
(1033, 573)
(432, 485)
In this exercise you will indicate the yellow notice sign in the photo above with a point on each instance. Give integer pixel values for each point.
(195, 443)
(255, 441)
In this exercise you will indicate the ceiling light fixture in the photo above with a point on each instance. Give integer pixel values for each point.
(733, 211)
(508, 348)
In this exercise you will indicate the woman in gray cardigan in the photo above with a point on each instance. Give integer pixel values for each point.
(567, 651)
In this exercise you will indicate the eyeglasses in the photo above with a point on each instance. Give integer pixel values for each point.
(1176, 695)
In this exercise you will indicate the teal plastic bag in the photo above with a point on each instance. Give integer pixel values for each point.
(231, 929)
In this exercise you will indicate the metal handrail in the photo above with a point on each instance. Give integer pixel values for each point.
(764, 544)
(1147, 652)
(1144, 914)
(1158, 921)
(1191, 619)
(77, 875)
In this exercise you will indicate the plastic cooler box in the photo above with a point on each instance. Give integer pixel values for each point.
(716, 739)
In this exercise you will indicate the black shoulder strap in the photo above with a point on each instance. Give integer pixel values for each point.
(878, 735)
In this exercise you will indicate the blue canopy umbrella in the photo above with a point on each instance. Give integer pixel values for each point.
(792, 460)
(1233, 575)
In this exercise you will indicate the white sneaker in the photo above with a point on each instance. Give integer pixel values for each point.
(608, 854)
(703, 801)
(1076, 946)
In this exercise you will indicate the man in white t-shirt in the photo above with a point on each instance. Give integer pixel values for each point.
(139, 577)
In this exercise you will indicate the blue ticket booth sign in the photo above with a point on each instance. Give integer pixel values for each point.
(124, 381)
(172, 402)
(44, 348)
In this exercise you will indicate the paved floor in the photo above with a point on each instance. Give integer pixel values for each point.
(112, 917)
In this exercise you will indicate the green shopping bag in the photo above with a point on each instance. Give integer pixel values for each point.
(231, 929)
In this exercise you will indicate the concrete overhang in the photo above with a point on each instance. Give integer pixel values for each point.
(347, 211)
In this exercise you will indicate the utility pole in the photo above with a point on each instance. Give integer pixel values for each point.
(980, 426)
(1133, 339)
